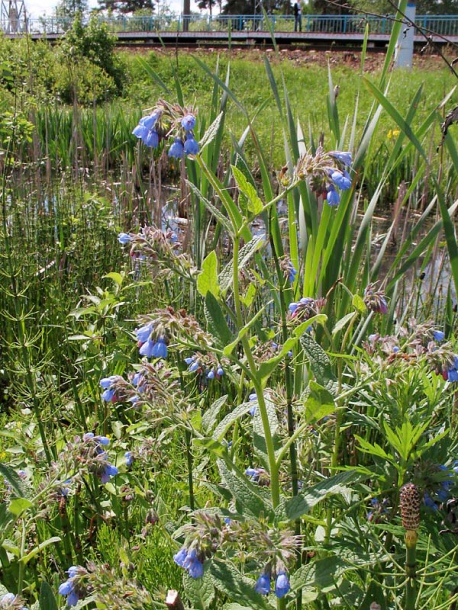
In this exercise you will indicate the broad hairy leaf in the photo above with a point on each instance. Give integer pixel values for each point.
(249, 498)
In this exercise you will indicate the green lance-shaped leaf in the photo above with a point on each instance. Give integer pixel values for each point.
(301, 504)
(267, 367)
(248, 497)
(248, 250)
(320, 364)
(230, 418)
(18, 486)
(199, 591)
(207, 281)
(259, 439)
(211, 132)
(47, 600)
(237, 587)
(26, 558)
(210, 417)
(255, 205)
(216, 319)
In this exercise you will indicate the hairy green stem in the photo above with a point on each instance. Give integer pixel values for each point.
(273, 468)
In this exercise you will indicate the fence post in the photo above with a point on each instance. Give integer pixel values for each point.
(404, 46)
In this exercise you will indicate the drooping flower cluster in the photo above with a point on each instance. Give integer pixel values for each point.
(105, 587)
(102, 468)
(435, 482)
(85, 455)
(109, 388)
(169, 121)
(72, 588)
(191, 561)
(378, 509)
(151, 341)
(305, 308)
(159, 251)
(326, 172)
(209, 534)
(375, 300)
(11, 602)
(413, 342)
(264, 583)
(205, 364)
(288, 269)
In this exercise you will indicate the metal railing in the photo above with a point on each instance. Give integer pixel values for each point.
(443, 25)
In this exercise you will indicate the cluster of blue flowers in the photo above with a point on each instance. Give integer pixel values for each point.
(108, 470)
(108, 385)
(9, 600)
(151, 347)
(147, 129)
(451, 374)
(68, 587)
(151, 131)
(189, 560)
(444, 488)
(339, 178)
(282, 585)
(196, 366)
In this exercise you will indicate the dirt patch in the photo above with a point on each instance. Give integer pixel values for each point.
(374, 59)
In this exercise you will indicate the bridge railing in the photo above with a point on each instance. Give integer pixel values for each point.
(443, 25)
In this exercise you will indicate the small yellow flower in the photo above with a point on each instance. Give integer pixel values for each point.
(393, 133)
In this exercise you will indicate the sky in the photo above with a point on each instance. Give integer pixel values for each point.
(38, 8)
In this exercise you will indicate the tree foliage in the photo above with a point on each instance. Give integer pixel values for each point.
(126, 6)
(68, 9)
(383, 7)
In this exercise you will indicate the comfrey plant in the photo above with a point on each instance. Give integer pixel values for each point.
(326, 173)
(169, 121)
(103, 586)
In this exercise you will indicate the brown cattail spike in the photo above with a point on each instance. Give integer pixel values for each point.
(410, 506)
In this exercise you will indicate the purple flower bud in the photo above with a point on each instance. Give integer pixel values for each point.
(66, 587)
(160, 349)
(150, 121)
(438, 335)
(129, 458)
(147, 348)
